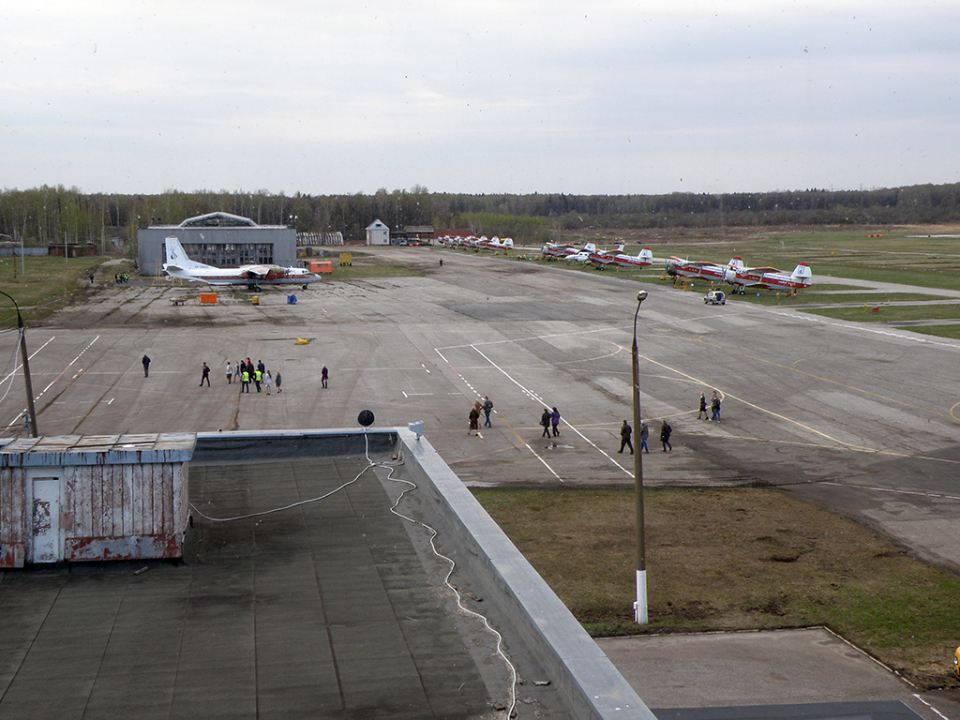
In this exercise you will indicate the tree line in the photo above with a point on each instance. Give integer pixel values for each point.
(47, 215)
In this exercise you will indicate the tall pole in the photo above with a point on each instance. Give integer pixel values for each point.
(25, 359)
(640, 606)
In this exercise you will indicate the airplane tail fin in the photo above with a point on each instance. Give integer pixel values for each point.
(590, 247)
(620, 248)
(646, 255)
(177, 256)
(736, 263)
(508, 243)
(802, 272)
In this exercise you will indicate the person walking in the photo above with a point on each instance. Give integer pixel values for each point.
(245, 380)
(644, 434)
(545, 421)
(267, 381)
(625, 432)
(229, 373)
(277, 381)
(703, 408)
(715, 407)
(205, 375)
(257, 378)
(146, 366)
(665, 432)
(324, 375)
(474, 420)
(487, 407)
(555, 421)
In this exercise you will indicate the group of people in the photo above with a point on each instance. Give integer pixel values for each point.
(626, 433)
(245, 372)
(714, 407)
(474, 416)
(550, 419)
(119, 278)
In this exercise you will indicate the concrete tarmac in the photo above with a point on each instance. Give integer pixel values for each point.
(857, 417)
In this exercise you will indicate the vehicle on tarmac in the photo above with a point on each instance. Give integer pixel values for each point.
(715, 297)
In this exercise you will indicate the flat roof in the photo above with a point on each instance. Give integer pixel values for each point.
(314, 585)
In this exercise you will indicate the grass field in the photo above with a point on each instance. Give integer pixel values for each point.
(43, 285)
(733, 560)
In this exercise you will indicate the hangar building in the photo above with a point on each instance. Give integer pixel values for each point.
(219, 239)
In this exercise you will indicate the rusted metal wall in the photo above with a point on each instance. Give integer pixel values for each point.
(119, 512)
(13, 518)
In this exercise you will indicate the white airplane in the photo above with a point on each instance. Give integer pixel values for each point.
(581, 256)
(179, 265)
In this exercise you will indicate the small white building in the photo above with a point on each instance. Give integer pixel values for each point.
(378, 233)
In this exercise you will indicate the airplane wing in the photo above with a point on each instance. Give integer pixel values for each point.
(255, 272)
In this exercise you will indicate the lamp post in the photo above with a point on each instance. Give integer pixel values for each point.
(25, 359)
(640, 606)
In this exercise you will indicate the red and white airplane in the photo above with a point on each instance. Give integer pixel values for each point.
(495, 243)
(179, 265)
(644, 258)
(703, 269)
(769, 278)
(601, 258)
(560, 251)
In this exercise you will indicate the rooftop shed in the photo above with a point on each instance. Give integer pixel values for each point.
(104, 497)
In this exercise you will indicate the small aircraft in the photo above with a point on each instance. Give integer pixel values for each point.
(581, 256)
(179, 265)
(769, 278)
(644, 258)
(601, 258)
(495, 243)
(557, 251)
(703, 269)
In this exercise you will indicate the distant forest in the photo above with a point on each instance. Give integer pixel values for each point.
(53, 214)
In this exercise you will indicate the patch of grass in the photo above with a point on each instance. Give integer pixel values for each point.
(730, 560)
(890, 313)
(944, 331)
(42, 285)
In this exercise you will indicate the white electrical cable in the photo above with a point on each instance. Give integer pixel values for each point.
(433, 535)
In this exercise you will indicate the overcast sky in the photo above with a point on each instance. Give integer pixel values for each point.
(479, 95)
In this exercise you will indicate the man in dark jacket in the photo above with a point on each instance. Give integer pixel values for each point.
(625, 432)
(665, 436)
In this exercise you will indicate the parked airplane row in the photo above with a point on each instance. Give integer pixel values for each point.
(741, 277)
(179, 265)
(733, 273)
(590, 255)
(477, 243)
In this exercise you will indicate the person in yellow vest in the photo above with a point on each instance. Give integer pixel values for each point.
(245, 380)
(257, 377)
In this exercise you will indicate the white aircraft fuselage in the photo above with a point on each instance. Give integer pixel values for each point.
(179, 265)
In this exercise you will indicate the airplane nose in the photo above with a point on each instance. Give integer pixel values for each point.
(671, 267)
(729, 275)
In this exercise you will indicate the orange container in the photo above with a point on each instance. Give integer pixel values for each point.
(321, 266)
(208, 298)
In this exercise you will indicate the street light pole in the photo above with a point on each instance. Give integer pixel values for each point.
(640, 606)
(25, 359)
